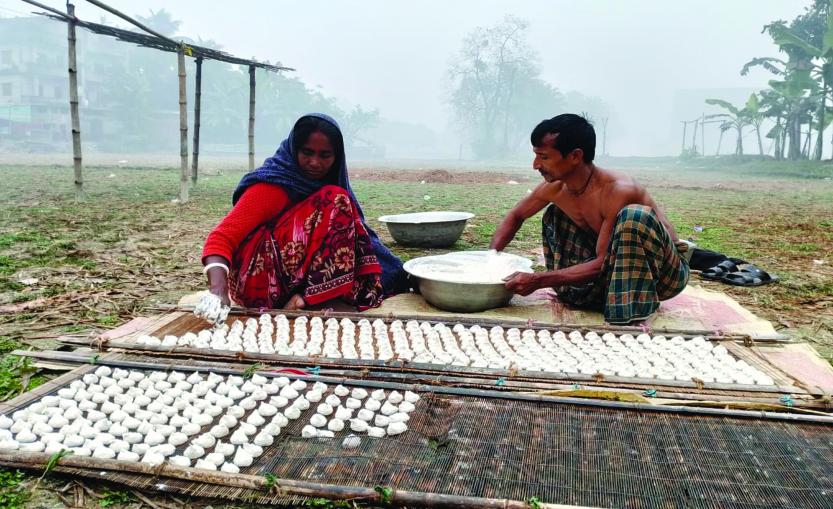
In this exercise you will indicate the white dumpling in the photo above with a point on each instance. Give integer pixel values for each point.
(127, 456)
(318, 420)
(343, 413)
(242, 458)
(399, 417)
(298, 385)
(365, 415)
(255, 419)
(292, 413)
(359, 425)
(230, 468)
(205, 465)
(332, 400)
(353, 403)
(314, 396)
(193, 451)
(376, 432)
(411, 397)
(406, 407)
(388, 408)
(288, 392)
(395, 428)
(378, 395)
(324, 409)
(395, 397)
(358, 393)
(280, 420)
(267, 410)
(335, 425)
(341, 390)
(381, 420)
(309, 431)
(373, 405)
(301, 403)
(263, 439)
(179, 461)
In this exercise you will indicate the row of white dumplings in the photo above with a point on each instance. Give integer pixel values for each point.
(642, 356)
(138, 416)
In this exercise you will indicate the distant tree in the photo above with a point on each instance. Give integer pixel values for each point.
(356, 121)
(495, 87)
(162, 21)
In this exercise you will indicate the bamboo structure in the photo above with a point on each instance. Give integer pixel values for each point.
(73, 104)
(183, 129)
(197, 99)
(251, 117)
(153, 40)
(278, 487)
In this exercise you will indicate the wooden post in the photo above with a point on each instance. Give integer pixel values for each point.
(703, 135)
(75, 121)
(196, 149)
(251, 117)
(183, 129)
(685, 126)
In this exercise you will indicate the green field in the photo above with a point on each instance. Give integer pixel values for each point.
(82, 267)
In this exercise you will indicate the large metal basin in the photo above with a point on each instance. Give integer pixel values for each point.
(466, 281)
(427, 229)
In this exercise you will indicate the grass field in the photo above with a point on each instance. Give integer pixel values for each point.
(69, 267)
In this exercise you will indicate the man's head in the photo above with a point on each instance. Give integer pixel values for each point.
(561, 144)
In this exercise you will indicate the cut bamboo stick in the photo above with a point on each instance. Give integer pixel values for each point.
(251, 117)
(197, 100)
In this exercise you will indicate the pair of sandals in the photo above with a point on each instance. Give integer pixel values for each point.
(744, 274)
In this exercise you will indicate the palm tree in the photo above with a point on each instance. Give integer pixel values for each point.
(735, 119)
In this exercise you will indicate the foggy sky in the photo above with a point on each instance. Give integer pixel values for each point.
(393, 55)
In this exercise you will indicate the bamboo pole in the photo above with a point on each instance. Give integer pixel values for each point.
(183, 129)
(251, 117)
(73, 105)
(280, 487)
(197, 100)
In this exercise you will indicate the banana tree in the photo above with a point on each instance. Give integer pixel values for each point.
(755, 116)
(817, 55)
(735, 118)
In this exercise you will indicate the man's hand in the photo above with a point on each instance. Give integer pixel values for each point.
(522, 283)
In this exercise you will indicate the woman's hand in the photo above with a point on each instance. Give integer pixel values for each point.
(218, 278)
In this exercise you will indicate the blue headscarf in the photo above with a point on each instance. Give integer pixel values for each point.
(282, 169)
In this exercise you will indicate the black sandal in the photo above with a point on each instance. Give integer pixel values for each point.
(719, 271)
(750, 275)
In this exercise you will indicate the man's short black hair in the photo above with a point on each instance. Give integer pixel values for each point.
(574, 131)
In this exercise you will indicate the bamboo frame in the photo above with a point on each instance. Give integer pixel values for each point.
(183, 128)
(390, 368)
(280, 487)
(225, 368)
(75, 120)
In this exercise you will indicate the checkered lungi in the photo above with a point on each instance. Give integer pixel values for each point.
(642, 266)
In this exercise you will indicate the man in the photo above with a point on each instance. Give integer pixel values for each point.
(607, 244)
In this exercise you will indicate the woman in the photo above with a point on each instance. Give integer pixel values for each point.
(297, 235)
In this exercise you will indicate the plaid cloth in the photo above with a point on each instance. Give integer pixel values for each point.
(642, 266)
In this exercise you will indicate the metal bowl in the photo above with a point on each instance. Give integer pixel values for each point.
(427, 229)
(466, 281)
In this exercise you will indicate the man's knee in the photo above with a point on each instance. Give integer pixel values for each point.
(633, 216)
